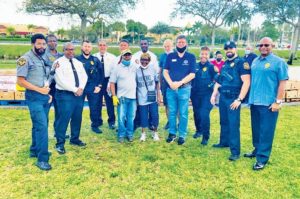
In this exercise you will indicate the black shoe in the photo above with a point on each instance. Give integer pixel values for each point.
(219, 145)
(60, 149)
(181, 141)
(67, 136)
(45, 166)
(171, 138)
(130, 139)
(196, 135)
(96, 130)
(258, 166)
(204, 141)
(78, 143)
(112, 126)
(233, 157)
(250, 155)
(166, 126)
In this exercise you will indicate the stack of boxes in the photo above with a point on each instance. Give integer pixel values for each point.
(292, 91)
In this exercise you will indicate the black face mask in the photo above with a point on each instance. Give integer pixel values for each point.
(181, 50)
(219, 59)
(231, 55)
(39, 51)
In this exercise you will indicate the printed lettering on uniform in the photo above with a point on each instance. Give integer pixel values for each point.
(22, 61)
(204, 69)
(232, 64)
(92, 62)
(246, 66)
(267, 65)
(174, 60)
(185, 63)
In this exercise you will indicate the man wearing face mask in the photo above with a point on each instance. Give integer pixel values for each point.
(218, 62)
(233, 84)
(70, 78)
(178, 72)
(124, 76)
(95, 72)
(249, 55)
(33, 74)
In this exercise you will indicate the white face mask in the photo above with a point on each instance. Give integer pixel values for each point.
(247, 52)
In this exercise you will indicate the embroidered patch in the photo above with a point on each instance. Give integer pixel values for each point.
(22, 61)
(246, 66)
(56, 65)
(92, 63)
(204, 69)
(267, 65)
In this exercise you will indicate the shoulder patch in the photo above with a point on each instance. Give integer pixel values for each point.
(22, 61)
(56, 65)
(246, 66)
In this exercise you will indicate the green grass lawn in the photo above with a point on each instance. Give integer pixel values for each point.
(107, 169)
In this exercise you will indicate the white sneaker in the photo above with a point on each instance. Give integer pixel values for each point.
(143, 137)
(155, 136)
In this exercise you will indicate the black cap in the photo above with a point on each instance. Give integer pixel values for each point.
(218, 52)
(229, 44)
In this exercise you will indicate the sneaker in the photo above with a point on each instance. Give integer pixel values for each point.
(181, 141)
(155, 136)
(121, 140)
(45, 166)
(143, 137)
(197, 134)
(171, 138)
(130, 139)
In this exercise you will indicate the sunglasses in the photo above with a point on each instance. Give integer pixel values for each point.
(265, 45)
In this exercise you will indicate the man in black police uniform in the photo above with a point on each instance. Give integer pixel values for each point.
(95, 72)
(33, 74)
(233, 85)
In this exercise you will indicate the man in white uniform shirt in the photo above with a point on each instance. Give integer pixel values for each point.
(108, 61)
(70, 78)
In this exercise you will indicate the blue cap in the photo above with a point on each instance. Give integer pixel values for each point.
(229, 44)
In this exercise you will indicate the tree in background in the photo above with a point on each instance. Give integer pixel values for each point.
(61, 33)
(160, 28)
(11, 31)
(269, 30)
(88, 11)
(136, 28)
(213, 12)
(30, 27)
(118, 27)
(284, 11)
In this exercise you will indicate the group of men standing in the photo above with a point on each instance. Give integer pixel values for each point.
(65, 80)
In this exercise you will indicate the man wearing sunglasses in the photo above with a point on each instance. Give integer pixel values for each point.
(269, 75)
(232, 84)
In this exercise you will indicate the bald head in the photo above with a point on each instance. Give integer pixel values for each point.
(265, 46)
(168, 45)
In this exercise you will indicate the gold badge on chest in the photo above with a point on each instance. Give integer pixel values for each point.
(92, 62)
(267, 65)
(204, 69)
(232, 64)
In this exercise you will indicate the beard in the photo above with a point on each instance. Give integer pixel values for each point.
(39, 51)
(86, 53)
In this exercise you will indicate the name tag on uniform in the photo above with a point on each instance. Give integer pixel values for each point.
(174, 60)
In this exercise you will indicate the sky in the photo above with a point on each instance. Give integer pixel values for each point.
(149, 12)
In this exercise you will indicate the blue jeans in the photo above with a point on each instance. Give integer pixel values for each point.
(126, 114)
(148, 113)
(263, 123)
(178, 102)
(39, 109)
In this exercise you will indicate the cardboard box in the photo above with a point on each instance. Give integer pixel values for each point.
(19, 95)
(291, 94)
(288, 85)
(296, 85)
(7, 95)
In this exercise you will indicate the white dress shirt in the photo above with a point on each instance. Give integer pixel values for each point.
(109, 61)
(64, 76)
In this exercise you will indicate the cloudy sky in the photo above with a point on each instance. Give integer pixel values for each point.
(148, 12)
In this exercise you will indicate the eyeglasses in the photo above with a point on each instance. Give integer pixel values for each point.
(70, 49)
(265, 45)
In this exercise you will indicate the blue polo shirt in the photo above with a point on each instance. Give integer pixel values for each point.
(266, 73)
(178, 67)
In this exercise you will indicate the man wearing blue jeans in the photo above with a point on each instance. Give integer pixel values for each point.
(178, 72)
(124, 76)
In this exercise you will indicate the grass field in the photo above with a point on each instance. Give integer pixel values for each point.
(107, 169)
(11, 52)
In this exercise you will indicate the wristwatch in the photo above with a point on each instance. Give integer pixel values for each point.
(278, 101)
(239, 99)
